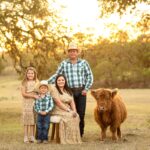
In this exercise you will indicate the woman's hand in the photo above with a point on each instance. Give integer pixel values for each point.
(74, 114)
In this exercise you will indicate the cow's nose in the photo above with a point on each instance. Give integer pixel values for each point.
(101, 108)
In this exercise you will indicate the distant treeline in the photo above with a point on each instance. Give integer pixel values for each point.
(122, 65)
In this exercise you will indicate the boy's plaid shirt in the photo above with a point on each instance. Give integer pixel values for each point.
(44, 104)
(78, 75)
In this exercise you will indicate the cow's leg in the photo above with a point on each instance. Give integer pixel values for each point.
(103, 133)
(119, 132)
(114, 131)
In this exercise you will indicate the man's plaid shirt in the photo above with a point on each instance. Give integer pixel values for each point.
(78, 74)
(44, 104)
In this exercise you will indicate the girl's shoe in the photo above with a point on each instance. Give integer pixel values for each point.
(32, 139)
(26, 139)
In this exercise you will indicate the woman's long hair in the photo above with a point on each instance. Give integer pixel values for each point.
(66, 88)
(24, 81)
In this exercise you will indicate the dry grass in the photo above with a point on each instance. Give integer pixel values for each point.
(136, 129)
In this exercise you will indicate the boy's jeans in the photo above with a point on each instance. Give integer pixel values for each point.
(43, 122)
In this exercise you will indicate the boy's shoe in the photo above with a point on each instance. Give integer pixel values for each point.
(39, 141)
(26, 140)
(32, 139)
(45, 141)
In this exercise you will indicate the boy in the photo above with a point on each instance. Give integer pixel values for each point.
(43, 105)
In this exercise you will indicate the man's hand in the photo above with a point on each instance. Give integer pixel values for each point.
(84, 92)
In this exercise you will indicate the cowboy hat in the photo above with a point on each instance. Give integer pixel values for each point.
(73, 45)
(43, 82)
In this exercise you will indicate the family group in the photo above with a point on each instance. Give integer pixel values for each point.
(63, 94)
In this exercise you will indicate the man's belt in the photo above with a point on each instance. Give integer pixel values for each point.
(77, 89)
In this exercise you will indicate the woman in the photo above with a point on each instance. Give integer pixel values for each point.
(69, 123)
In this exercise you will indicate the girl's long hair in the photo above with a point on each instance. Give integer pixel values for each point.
(66, 88)
(24, 81)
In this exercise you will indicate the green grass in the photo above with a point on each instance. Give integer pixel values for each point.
(135, 129)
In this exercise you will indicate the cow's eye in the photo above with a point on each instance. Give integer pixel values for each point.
(102, 103)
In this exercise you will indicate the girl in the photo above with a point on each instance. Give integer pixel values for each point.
(28, 85)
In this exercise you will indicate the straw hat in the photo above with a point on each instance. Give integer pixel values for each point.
(73, 45)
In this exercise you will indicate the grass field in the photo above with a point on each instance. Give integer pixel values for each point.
(136, 129)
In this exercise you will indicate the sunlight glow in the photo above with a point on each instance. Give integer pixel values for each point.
(83, 16)
(80, 13)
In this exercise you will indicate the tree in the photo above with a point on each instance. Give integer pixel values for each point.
(1, 65)
(122, 65)
(31, 32)
(144, 23)
(120, 6)
(120, 36)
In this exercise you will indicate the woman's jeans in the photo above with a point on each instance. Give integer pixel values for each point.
(43, 122)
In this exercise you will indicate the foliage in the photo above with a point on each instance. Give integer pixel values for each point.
(144, 23)
(122, 65)
(1, 65)
(31, 32)
(120, 6)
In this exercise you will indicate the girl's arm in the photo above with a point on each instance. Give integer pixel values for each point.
(27, 95)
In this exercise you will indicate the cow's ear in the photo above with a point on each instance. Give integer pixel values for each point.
(114, 92)
(94, 93)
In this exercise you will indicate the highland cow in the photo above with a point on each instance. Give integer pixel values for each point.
(110, 111)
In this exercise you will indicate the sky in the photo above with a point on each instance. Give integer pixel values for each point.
(83, 16)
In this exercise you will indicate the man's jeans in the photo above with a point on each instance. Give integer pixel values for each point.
(43, 122)
(80, 102)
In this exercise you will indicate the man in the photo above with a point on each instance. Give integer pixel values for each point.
(79, 77)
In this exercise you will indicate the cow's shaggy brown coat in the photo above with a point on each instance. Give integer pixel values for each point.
(110, 111)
